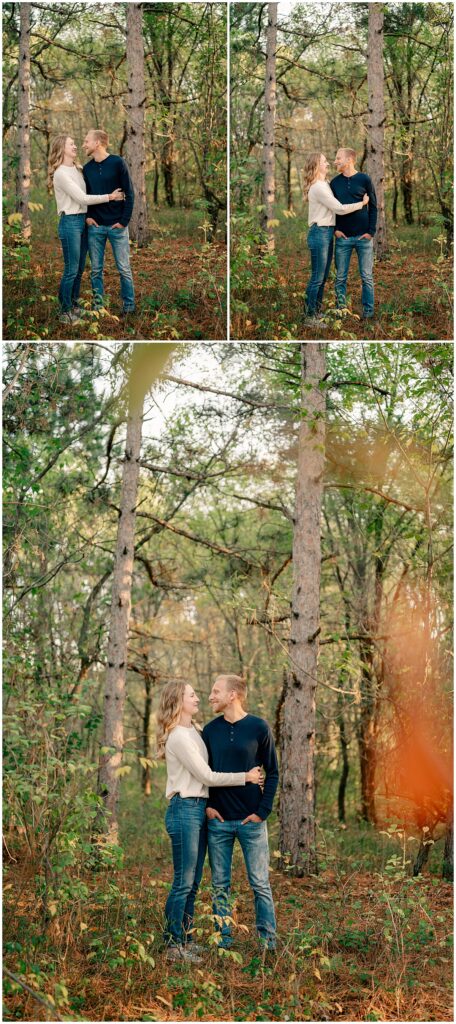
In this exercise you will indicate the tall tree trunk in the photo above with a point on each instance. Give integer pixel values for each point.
(146, 777)
(146, 364)
(448, 853)
(23, 122)
(299, 709)
(136, 154)
(270, 96)
(407, 188)
(376, 121)
(119, 620)
(167, 163)
(344, 751)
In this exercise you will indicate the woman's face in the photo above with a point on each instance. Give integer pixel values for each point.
(323, 164)
(70, 148)
(190, 702)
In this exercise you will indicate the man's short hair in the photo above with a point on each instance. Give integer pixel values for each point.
(100, 135)
(351, 153)
(236, 683)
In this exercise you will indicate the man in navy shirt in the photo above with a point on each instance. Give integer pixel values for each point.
(355, 231)
(108, 220)
(237, 741)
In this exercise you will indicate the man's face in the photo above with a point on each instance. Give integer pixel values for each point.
(341, 161)
(220, 697)
(90, 144)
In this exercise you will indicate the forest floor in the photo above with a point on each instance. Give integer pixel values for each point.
(413, 292)
(360, 941)
(180, 284)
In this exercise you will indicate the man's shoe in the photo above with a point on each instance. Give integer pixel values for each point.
(127, 313)
(70, 318)
(183, 954)
(80, 311)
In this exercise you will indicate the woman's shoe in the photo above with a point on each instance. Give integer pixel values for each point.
(70, 318)
(183, 953)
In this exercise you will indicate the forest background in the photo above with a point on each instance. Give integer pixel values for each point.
(70, 67)
(242, 448)
(379, 79)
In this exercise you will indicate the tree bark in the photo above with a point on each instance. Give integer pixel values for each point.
(135, 106)
(299, 709)
(376, 121)
(345, 768)
(270, 97)
(146, 364)
(114, 697)
(23, 122)
(448, 853)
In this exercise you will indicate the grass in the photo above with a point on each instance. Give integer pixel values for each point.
(413, 290)
(180, 283)
(360, 941)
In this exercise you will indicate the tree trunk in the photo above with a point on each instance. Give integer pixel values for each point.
(146, 364)
(146, 777)
(23, 122)
(269, 123)
(119, 620)
(299, 711)
(376, 121)
(448, 853)
(168, 171)
(136, 154)
(407, 189)
(345, 768)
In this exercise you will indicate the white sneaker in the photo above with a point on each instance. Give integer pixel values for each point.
(183, 953)
(69, 318)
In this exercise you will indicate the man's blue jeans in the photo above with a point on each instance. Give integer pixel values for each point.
(364, 248)
(253, 838)
(118, 237)
(186, 826)
(73, 237)
(320, 242)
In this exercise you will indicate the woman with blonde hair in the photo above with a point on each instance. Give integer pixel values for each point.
(65, 176)
(323, 207)
(187, 789)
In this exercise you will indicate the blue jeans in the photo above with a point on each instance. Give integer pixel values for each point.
(320, 242)
(73, 236)
(186, 826)
(253, 838)
(118, 237)
(364, 248)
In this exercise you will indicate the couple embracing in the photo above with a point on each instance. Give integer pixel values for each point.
(220, 785)
(345, 209)
(104, 187)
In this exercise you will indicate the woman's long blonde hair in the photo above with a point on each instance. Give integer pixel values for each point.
(169, 712)
(310, 172)
(56, 157)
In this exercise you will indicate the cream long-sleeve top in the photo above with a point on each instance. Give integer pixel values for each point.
(70, 191)
(187, 765)
(323, 205)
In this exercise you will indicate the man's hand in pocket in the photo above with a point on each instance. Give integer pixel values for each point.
(211, 813)
(90, 220)
(339, 234)
(121, 226)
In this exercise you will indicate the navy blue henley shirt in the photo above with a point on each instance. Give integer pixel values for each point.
(105, 176)
(351, 190)
(238, 747)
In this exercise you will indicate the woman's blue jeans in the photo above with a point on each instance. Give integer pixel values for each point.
(320, 241)
(73, 236)
(186, 826)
